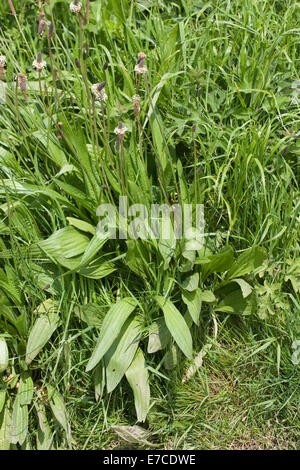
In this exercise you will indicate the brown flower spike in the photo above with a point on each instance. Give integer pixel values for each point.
(22, 81)
(2, 65)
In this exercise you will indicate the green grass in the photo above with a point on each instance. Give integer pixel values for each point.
(218, 125)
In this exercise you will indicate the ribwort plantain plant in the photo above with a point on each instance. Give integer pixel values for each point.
(109, 326)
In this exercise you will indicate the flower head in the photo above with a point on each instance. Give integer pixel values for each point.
(39, 64)
(136, 103)
(141, 66)
(98, 90)
(2, 60)
(75, 6)
(21, 80)
(120, 130)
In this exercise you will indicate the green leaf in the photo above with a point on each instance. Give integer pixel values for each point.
(90, 313)
(159, 336)
(66, 243)
(166, 246)
(193, 301)
(97, 269)
(3, 355)
(40, 334)
(2, 398)
(176, 325)
(82, 225)
(19, 422)
(120, 355)
(218, 263)
(58, 408)
(111, 327)
(237, 304)
(5, 428)
(245, 287)
(208, 296)
(25, 390)
(99, 380)
(44, 437)
(91, 250)
(247, 262)
(137, 376)
(171, 359)
(190, 283)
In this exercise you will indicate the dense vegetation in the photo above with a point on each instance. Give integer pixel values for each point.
(180, 102)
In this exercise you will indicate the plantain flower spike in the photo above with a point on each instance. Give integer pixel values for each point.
(75, 6)
(98, 90)
(39, 64)
(141, 66)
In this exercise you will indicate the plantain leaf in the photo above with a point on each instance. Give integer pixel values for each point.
(19, 422)
(58, 408)
(176, 325)
(247, 262)
(120, 355)
(3, 355)
(2, 399)
(82, 225)
(66, 242)
(159, 336)
(193, 302)
(44, 436)
(5, 428)
(25, 390)
(171, 359)
(40, 334)
(111, 327)
(191, 282)
(99, 380)
(137, 376)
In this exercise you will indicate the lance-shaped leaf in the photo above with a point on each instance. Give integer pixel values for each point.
(172, 356)
(3, 355)
(40, 334)
(59, 409)
(25, 390)
(5, 427)
(44, 437)
(111, 327)
(19, 422)
(2, 399)
(66, 242)
(159, 336)
(247, 262)
(138, 378)
(120, 355)
(176, 325)
(99, 380)
(193, 301)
